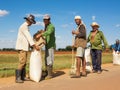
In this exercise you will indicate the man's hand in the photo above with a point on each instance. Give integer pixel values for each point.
(107, 49)
(75, 32)
(117, 52)
(41, 31)
(73, 46)
(38, 36)
(36, 47)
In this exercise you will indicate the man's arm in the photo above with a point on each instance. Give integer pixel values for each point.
(88, 39)
(49, 31)
(82, 32)
(104, 40)
(28, 37)
(30, 40)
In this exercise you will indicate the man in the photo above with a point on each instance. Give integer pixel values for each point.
(116, 46)
(24, 39)
(49, 34)
(80, 44)
(96, 38)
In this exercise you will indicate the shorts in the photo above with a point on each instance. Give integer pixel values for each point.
(80, 52)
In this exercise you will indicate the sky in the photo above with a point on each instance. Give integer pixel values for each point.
(105, 12)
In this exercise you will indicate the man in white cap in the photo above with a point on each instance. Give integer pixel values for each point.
(80, 44)
(49, 34)
(116, 46)
(96, 38)
(24, 40)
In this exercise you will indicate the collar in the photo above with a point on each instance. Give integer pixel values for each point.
(97, 32)
(26, 23)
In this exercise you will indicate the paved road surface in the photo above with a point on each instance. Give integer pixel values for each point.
(108, 80)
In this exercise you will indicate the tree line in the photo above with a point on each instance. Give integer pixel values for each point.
(67, 48)
(8, 49)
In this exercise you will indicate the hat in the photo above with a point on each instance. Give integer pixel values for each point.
(31, 18)
(95, 24)
(78, 17)
(46, 16)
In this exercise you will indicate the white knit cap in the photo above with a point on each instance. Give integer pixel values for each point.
(77, 17)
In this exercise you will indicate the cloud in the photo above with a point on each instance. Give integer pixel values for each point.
(117, 25)
(62, 43)
(38, 15)
(3, 13)
(73, 12)
(65, 25)
(93, 18)
(12, 31)
(58, 37)
(39, 24)
(69, 25)
(7, 43)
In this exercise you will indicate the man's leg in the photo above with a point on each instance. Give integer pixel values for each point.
(78, 64)
(79, 56)
(99, 56)
(46, 55)
(23, 75)
(49, 62)
(22, 64)
(84, 67)
(94, 62)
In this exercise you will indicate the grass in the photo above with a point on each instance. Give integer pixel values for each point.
(9, 62)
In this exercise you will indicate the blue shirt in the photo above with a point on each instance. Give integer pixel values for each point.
(116, 47)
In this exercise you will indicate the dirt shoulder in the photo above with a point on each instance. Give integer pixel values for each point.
(64, 82)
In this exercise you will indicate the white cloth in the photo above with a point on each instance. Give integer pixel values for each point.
(24, 38)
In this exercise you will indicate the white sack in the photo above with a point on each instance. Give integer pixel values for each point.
(35, 66)
(88, 59)
(116, 58)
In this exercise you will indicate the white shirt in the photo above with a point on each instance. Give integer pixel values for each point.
(24, 38)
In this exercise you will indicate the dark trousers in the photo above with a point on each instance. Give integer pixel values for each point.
(96, 56)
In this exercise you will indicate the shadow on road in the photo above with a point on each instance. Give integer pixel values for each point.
(105, 70)
(55, 74)
(58, 73)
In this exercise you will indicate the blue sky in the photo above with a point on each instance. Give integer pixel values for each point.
(62, 12)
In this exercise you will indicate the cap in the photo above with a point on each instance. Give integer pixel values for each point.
(77, 17)
(46, 16)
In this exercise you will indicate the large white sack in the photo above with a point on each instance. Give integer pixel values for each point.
(116, 58)
(88, 59)
(35, 66)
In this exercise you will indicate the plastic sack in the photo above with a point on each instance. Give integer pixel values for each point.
(116, 58)
(88, 59)
(35, 66)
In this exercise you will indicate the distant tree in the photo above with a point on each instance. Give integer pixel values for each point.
(110, 47)
(8, 49)
(61, 49)
(68, 48)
